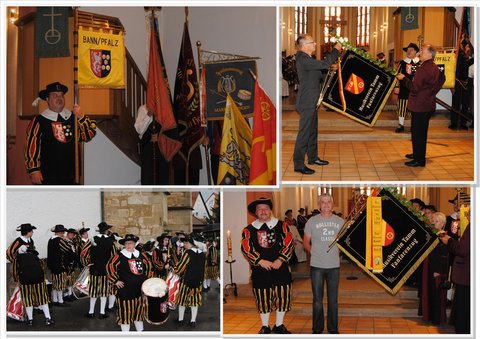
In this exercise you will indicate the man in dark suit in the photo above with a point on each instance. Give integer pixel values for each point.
(310, 79)
(461, 278)
(423, 89)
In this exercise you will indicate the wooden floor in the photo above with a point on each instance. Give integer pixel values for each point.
(364, 308)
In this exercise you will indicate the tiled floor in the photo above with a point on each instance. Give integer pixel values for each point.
(234, 323)
(350, 161)
(364, 308)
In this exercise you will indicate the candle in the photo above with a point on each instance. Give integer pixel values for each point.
(229, 245)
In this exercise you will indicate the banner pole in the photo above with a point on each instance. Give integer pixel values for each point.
(202, 113)
(75, 95)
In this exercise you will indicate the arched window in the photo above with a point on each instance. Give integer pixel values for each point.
(300, 21)
(363, 26)
(332, 23)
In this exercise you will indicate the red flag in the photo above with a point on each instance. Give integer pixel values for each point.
(264, 156)
(159, 100)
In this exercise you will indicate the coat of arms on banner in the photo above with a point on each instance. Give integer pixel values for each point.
(100, 62)
(404, 241)
(366, 88)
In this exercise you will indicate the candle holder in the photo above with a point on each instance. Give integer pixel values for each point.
(232, 284)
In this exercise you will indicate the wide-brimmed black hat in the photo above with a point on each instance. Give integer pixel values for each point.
(72, 230)
(26, 228)
(103, 226)
(53, 87)
(148, 246)
(418, 201)
(195, 237)
(252, 207)
(163, 236)
(128, 237)
(413, 45)
(301, 209)
(58, 228)
(380, 55)
(288, 211)
(83, 230)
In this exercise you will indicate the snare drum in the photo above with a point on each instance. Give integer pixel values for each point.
(155, 299)
(173, 282)
(81, 284)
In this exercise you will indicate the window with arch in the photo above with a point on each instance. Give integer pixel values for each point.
(332, 22)
(300, 21)
(363, 26)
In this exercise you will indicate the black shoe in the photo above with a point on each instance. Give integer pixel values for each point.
(29, 322)
(192, 324)
(319, 162)
(399, 129)
(305, 170)
(59, 304)
(108, 309)
(103, 316)
(414, 163)
(452, 126)
(49, 322)
(265, 330)
(334, 332)
(463, 127)
(179, 322)
(409, 156)
(69, 298)
(280, 329)
(90, 315)
(317, 332)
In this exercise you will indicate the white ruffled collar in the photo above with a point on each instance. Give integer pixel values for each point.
(51, 115)
(271, 223)
(415, 60)
(128, 254)
(25, 239)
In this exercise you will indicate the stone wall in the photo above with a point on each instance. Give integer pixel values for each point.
(141, 213)
(180, 212)
(147, 214)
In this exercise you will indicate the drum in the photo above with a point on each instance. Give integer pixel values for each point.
(155, 299)
(81, 284)
(173, 282)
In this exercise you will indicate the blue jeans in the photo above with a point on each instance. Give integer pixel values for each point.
(318, 277)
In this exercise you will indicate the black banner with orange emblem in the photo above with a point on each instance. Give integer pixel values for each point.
(405, 241)
(361, 92)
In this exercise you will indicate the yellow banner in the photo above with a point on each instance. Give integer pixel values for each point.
(464, 218)
(101, 59)
(375, 235)
(448, 61)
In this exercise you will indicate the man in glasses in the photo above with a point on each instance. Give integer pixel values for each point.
(310, 79)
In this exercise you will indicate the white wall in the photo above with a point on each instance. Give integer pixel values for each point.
(46, 208)
(105, 164)
(234, 218)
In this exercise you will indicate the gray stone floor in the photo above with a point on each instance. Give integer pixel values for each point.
(72, 318)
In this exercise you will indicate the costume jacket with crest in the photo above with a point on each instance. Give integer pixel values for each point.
(268, 241)
(132, 268)
(408, 67)
(50, 145)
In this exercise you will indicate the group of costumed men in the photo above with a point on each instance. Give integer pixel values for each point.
(115, 275)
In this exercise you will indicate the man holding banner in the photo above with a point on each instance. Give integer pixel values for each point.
(310, 78)
(423, 88)
(320, 231)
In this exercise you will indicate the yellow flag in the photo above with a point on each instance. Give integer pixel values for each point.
(101, 59)
(236, 146)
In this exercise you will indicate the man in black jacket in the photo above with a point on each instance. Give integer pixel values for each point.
(310, 79)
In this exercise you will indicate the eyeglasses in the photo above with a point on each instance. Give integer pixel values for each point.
(310, 42)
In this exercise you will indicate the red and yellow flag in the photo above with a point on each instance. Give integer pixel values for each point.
(264, 156)
(159, 100)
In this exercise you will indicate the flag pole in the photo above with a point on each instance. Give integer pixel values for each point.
(202, 105)
(75, 95)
